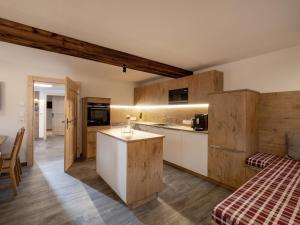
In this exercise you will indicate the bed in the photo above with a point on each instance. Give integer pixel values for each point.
(271, 197)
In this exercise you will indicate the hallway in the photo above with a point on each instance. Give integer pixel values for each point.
(47, 195)
(50, 150)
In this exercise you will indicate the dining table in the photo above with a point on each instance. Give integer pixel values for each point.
(2, 140)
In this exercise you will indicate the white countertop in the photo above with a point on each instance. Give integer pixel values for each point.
(137, 134)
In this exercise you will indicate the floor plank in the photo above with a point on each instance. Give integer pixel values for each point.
(47, 195)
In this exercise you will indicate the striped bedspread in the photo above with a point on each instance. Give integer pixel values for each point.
(271, 197)
(262, 160)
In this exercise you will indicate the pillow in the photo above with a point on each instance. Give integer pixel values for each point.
(293, 142)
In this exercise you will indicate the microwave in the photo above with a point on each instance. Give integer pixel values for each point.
(98, 114)
(179, 96)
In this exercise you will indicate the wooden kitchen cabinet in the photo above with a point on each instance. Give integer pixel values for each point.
(215, 164)
(89, 145)
(153, 94)
(89, 133)
(232, 135)
(228, 166)
(199, 85)
(233, 168)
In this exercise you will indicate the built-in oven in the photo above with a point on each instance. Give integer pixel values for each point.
(98, 114)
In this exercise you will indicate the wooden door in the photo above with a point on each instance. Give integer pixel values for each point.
(58, 112)
(71, 118)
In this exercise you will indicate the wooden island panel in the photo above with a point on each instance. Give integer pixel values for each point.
(144, 171)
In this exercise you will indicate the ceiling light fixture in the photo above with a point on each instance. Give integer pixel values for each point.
(139, 107)
(43, 85)
(124, 68)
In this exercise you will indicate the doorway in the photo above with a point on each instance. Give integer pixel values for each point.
(60, 127)
(49, 116)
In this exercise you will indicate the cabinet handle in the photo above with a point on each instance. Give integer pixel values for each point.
(226, 149)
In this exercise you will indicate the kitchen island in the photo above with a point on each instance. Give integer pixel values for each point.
(131, 166)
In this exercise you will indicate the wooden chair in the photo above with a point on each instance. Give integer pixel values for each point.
(11, 166)
(8, 156)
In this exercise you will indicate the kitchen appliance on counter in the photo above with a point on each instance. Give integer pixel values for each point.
(98, 114)
(179, 96)
(200, 122)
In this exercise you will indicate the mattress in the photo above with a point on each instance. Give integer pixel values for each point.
(271, 197)
(262, 160)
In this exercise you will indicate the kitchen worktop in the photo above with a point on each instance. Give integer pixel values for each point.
(171, 126)
(137, 134)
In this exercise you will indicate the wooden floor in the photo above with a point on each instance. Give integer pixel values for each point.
(47, 195)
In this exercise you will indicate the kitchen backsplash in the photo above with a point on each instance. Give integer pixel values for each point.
(171, 116)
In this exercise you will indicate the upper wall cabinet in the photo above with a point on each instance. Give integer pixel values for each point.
(200, 85)
(203, 84)
(153, 94)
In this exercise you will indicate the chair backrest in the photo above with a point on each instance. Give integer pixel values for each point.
(16, 148)
(15, 143)
(22, 131)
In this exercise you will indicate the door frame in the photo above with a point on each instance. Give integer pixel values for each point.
(30, 110)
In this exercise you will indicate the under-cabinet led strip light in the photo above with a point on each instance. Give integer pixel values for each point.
(139, 107)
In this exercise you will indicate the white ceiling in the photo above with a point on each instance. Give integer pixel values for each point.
(191, 34)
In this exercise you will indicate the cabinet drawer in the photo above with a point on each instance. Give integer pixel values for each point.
(91, 137)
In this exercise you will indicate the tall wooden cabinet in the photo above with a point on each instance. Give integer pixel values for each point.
(232, 135)
(89, 134)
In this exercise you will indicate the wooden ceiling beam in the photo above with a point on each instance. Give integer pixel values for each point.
(28, 36)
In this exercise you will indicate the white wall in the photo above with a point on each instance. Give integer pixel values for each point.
(17, 62)
(272, 72)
